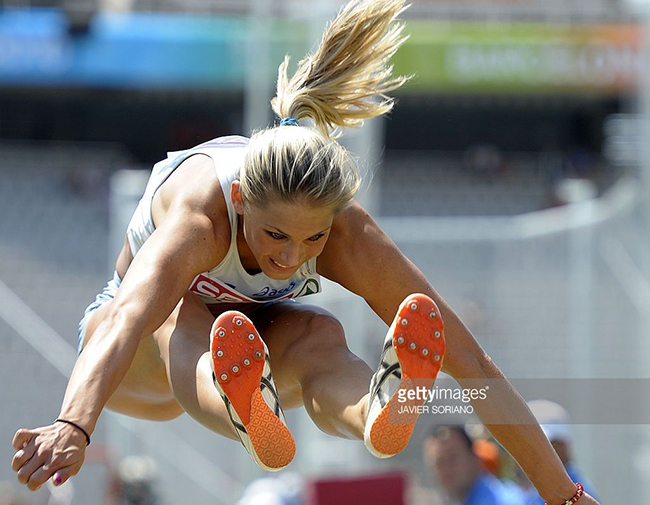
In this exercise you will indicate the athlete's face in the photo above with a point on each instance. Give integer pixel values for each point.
(282, 236)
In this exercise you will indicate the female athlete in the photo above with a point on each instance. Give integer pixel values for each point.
(249, 226)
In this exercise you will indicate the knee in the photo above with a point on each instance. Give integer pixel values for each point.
(322, 330)
(319, 339)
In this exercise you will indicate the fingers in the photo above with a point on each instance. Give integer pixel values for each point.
(22, 438)
(25, 473)
(39, 469)
(41, 455)
(62, 475)
(22, 456)
(39, 477)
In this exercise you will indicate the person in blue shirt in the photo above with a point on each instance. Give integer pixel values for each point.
(449, 453)
(556, 425)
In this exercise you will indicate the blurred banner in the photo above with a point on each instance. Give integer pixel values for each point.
(137, 50)
(522, 57)
(39, 47)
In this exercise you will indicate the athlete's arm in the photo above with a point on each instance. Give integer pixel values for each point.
(362, 258)
(183, 245)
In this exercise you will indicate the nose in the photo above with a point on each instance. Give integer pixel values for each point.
(290, 255)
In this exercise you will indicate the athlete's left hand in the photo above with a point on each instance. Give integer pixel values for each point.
(57, 450)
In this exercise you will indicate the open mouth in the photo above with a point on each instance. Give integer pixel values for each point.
(280, 266)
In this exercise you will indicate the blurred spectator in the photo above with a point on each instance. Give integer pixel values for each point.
(137, 476)
(493, 458)
(489, 455)
(556, 424)
(448, 451)
(283, 490)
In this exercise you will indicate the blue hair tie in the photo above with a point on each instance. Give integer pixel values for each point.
(289, 121)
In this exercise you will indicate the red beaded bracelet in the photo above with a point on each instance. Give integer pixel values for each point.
(580, 491)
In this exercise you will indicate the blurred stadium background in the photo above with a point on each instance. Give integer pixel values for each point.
(514, 172)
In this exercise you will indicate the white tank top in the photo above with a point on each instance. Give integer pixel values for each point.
(228, 282)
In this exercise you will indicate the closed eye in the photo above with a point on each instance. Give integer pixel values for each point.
(316, 238)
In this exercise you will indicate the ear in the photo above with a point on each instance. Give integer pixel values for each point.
(236, 198)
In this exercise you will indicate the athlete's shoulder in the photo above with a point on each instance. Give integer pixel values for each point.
(194, 182)
(345, 244)
(193, 188)
(225, 141)
(350, 221)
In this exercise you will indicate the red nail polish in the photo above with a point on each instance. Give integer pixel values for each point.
(57, 479)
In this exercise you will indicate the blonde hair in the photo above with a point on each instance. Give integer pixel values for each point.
(344, 82)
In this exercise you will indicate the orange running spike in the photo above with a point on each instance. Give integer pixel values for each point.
(413, 353)
(242, 374)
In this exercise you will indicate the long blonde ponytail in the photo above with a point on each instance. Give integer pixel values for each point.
(344, 82)
(338, 85)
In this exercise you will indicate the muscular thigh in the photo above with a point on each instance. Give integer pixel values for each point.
(185, 335)
(180, 341)
(300, 339)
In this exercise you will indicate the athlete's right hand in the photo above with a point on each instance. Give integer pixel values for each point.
(57, 450)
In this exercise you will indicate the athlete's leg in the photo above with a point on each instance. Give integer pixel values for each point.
(312, 364)
(171, 372)
(310, 360)
(144, 392)
(183, 343)
(309, 356)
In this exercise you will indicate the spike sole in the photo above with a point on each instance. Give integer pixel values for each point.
(419, 344)
(238, 356)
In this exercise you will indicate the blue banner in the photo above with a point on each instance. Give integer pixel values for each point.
(121, 50)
